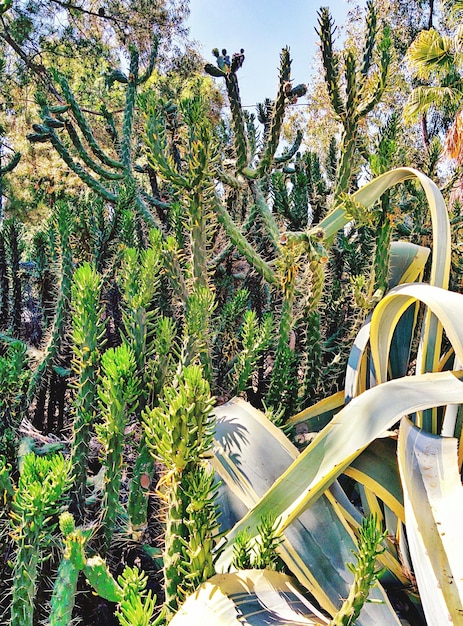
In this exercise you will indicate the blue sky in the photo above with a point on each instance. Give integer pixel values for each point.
(262, 28)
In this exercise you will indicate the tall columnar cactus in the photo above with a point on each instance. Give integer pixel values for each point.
(362, 92)
(179, 434)
(14, 377)
(43, 273)
(4, 283)
(41, 487)
(73, 561)
(12, 237)
(100, 172)
(87, 331)
(62, 310)
(5, 169)
(117, 392)
(140, 278)
(366, 573)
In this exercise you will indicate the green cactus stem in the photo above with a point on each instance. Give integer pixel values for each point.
(179, 434)
(361, 95)
(4, 284)
(87, 332)
(12, 235)
(255, 340)
(42, 484)
(140, 283)
(365, 573)
(73, 562)
(137, 606)
(117, 394)
(37, 382)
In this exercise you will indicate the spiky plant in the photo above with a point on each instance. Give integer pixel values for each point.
(42, 485)
(118, 391)
(362, 91)
(67, 129)
(14, 377)
(38, 382)
(87, 333)
(365, 572)
(140, 278)
(179, 434)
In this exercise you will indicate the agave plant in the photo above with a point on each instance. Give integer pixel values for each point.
(264, 473)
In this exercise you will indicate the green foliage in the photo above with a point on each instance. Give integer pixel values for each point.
(365, 572)
(87, 334)
(118, 392)
(14, 378)
(137, 606)
(260, 553)
(179, 433)
(42, 485)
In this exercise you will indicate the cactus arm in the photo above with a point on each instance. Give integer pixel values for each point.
(290, 152)
(241, 147)
(86, 335)
(84, 127)
(101, 579)
(78, 169)
(85, 156)
(117, 395)
(378, 91)
(152, 62)
(271, 227)
(73, 561)
(127, 124)
(330, 61)
(12, 163)
(41, 486)
(243, 245)
(277, 116)
(370, 38)
(62, 307)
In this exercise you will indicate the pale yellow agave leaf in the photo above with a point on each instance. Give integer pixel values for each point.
(364, 419)
(262, 596)
(446, 306)
(433, 497)
(250, 453)
(372, 191)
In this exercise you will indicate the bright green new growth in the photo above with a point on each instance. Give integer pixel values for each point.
(118, 391)
(365, 572)
(179, 434)
(137, 606)
(87, 338)
(14, 377)
(41, 487)
(255, 340)
(260, 552)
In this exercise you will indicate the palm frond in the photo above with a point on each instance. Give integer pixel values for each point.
(431, 52)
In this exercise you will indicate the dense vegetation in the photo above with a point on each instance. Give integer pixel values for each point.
(230, 343)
